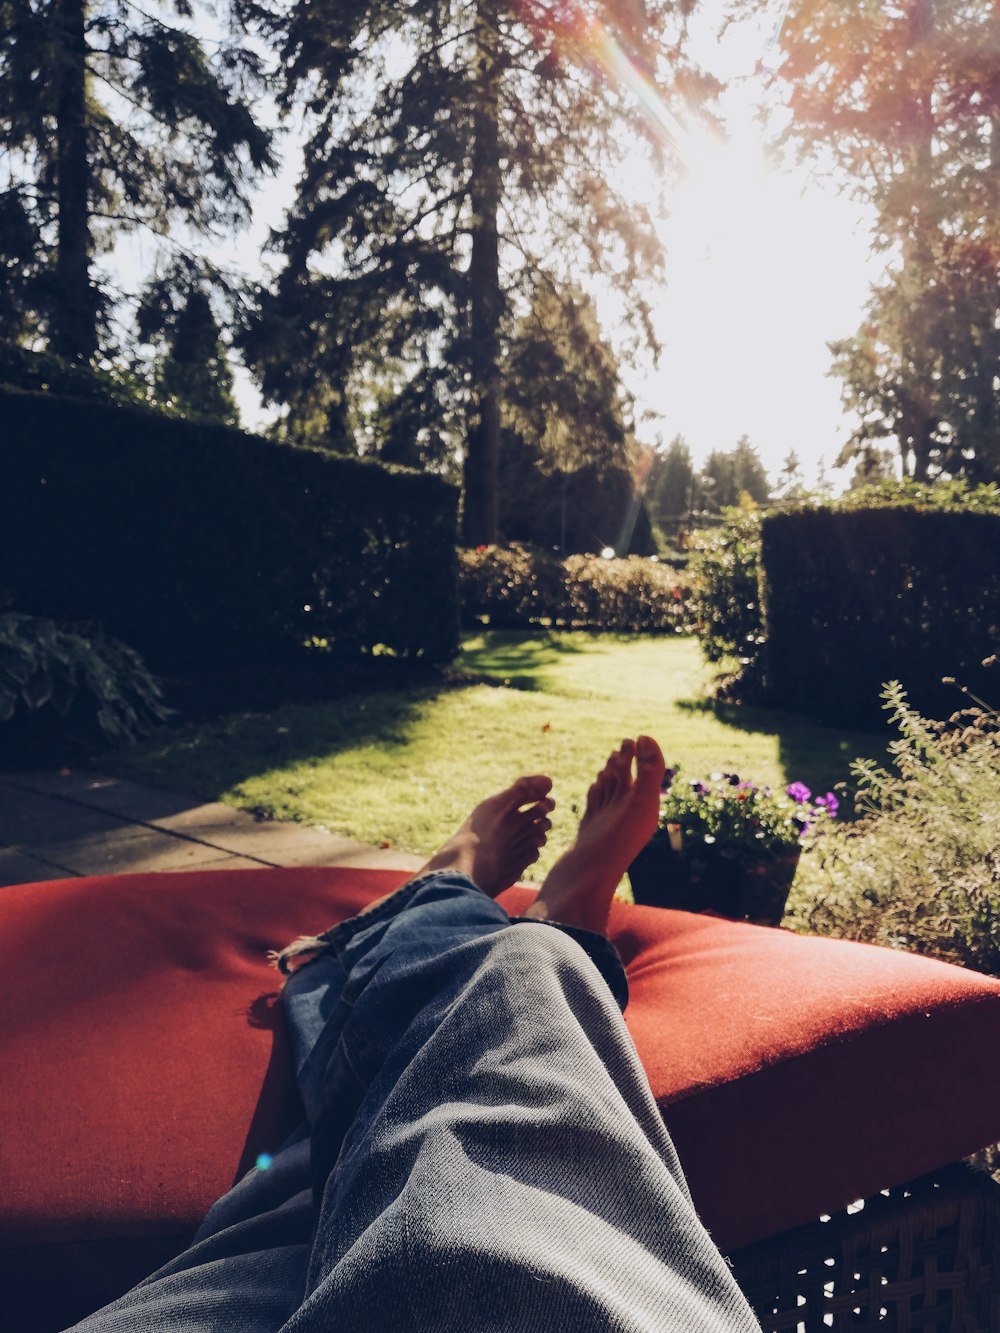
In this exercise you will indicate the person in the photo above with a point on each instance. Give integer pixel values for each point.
(481, 1148)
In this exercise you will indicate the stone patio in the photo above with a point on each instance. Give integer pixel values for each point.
(66, 824)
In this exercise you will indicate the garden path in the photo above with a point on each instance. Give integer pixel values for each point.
(73, 823)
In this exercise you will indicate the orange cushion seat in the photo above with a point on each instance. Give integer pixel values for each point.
(146, 1063)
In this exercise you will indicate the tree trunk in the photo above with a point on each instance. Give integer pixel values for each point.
(73, 332)
(481, 467)
(918, 245)
(986, 464)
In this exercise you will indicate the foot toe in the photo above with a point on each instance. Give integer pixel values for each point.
(529, 788)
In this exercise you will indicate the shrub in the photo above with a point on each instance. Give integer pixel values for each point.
(632, 596)
(920, 869)
(725, 604)
(515, 586)
(70, 684)
(511, 586)
(818, 605)
(205, 547)
(854, 597)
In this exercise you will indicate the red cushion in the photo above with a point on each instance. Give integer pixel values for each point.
(146, 1064)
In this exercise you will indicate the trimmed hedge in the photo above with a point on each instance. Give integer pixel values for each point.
(516, 586)
(855, 598)
(202, 546)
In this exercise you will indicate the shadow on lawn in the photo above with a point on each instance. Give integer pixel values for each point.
(208, 758)
(515, 658)
(804, 747)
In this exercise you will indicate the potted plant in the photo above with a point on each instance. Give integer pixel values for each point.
(727, 846)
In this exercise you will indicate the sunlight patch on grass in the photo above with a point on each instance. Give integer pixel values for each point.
(407, 767)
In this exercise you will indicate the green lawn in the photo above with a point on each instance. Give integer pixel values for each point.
(405, 767)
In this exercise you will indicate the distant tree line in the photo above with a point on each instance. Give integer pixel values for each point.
(678, 493)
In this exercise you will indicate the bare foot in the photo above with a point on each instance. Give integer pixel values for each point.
(501, 838)
(619, 819)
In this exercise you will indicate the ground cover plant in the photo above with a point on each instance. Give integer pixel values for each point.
(66, 687)
(921, 869)
(404, 767)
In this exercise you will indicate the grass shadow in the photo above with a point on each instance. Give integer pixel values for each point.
(811, 752)
(518, 659)
(207, 758)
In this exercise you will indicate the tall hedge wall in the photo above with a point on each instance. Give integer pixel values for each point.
(852, 599)
(199, 544)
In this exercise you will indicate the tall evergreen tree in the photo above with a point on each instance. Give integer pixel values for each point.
(672, 483)
(904, 98)
(111, 118)
(462, 156)
(191, 371)
(728, 474)
(567, 454)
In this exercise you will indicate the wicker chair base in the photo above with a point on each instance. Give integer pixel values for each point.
(921, 1256)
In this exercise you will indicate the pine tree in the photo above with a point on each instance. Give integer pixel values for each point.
(461, 158)
(112, 118)
(191, 373)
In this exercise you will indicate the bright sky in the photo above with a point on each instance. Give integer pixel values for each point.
(765, 266)
(763, 270)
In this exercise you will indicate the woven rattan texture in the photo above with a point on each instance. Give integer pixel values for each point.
(923, 1256)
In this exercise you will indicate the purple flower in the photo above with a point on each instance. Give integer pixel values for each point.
(668, 779)
(732, 778)
(830, 802)
(799, 792)
(698, 787)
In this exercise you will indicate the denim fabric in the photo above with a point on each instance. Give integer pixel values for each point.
(482, 1150)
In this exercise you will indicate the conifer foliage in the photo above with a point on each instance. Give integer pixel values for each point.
(461, 158)
(113, 115)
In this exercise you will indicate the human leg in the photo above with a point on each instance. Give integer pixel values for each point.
(247, 1264)
(485, 1144)
(485, 1152)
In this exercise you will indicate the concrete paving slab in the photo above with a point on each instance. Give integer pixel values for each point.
(62, 782)
(132, 849)
(29, 818)
(378, 858)
(196, 820)
(124, 798)
(224, 862)
(17, 867)
(270, 839)
(80, 823)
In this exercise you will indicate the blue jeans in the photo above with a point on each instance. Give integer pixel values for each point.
(482, 1150)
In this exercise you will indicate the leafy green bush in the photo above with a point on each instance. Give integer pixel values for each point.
(511, 586)
(920, 869)
(725, 603)
(631, 596)
(70, 683)
(515, 586)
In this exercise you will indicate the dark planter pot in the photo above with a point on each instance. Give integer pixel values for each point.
(707, 881)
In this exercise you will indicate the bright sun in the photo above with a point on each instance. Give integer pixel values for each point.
(764, 267)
